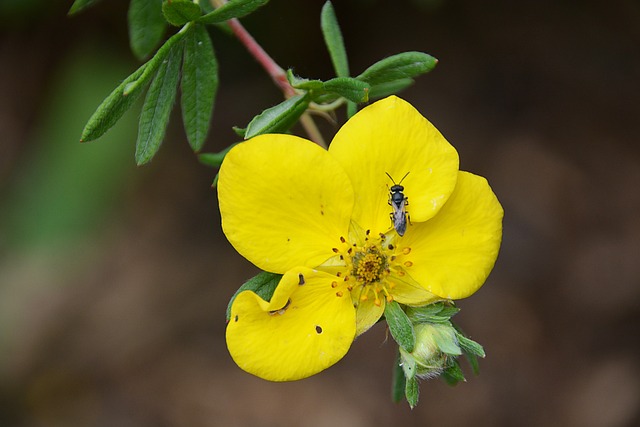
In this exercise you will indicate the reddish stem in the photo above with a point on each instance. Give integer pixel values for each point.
(271, 67)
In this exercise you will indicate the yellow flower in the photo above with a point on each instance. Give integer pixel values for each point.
(322, 219)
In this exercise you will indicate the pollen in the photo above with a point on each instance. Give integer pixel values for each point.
(369, 265)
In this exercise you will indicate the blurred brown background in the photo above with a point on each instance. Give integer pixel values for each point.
(114, 279)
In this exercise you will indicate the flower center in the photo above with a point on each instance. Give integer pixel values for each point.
(369, 265)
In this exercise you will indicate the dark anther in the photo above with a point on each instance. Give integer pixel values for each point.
(300, 279)
(335, 250)
(342, 239)
(390, 247)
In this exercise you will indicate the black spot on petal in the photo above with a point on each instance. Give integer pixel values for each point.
(235, 319)
(318, 329)
(301, 279)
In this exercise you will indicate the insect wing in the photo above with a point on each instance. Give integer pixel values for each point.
(399, 218)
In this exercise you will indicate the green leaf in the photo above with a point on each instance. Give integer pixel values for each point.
(232, 9)
(157, 107)
(179, 12)
(398, 381)
(412, 392)
(263, 284)
(154, 63)
(302, 83)
(214, 160)
(123, 96)
(401, 66)
(80, 5)
(146, 26)
(278, 118)
(333, 40)
(199, 85)
(241, 132)
(349, 88)
(383, 90)
(400, 327)
(114, 106)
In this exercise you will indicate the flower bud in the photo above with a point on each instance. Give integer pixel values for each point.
(434, 344)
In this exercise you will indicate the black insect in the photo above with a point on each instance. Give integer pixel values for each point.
(398, 201)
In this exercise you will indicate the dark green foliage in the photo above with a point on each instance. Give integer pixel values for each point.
(278, 118)
(146, 26)
(400, 326)
(157, 106)
(199, 85)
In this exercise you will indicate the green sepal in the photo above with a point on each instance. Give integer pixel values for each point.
(230, 10)
(445, 339)
(453, 374)
(409, 364)
(401, 66)
(80, 5)
(412, 392)
(383, 90)
(438, 312)
(157, 106)
(179, 12)
(469, 346)
(473, 362)
(146, 26)
(214, 160)
(352, 89)
(471, 349)
(400, 326)
(398, 381)
(334, 41)
(199, 85)
(263, 284)
(278, 118)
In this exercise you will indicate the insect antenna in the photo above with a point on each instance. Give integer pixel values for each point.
(394, 182)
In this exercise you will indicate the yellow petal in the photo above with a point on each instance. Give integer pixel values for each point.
(390, 136)
(453, 253)
(284, 202)
(406, 290)
(367, 313)
(304, 329)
